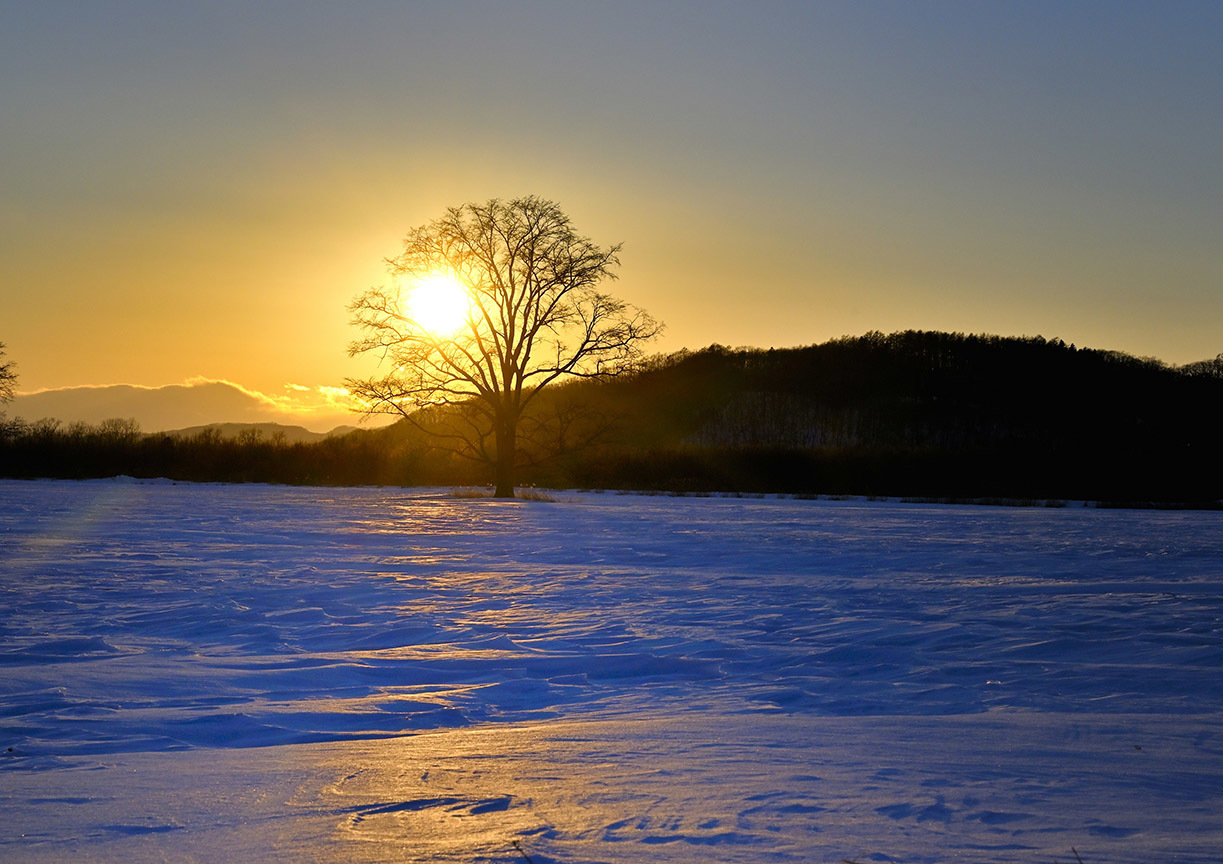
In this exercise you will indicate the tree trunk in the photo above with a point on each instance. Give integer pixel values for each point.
(507, 434)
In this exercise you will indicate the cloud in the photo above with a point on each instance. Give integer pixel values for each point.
(198, 401)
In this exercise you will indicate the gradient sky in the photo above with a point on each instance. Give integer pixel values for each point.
(199, 189)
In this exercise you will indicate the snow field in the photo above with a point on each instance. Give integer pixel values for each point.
(194, 672)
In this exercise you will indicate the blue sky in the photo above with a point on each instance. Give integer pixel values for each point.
(199, 189)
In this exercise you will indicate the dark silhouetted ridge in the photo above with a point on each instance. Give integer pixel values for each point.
(914, 413)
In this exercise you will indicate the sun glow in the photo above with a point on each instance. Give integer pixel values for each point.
(439, 304)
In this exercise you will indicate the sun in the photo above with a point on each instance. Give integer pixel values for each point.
(439, 304)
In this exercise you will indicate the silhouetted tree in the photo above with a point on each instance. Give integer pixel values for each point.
(119, 430)
(1205, 368)
(8, 383)
(8, 377)
(536, 316)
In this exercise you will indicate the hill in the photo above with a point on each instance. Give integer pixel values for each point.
(927, 390)
(196, 403)
(257, 431)
(916, 413)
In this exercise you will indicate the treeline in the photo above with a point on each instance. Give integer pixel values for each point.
(924, 414)
(913, 414)
(389, 456)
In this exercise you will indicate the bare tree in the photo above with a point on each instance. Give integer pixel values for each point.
(8, 386)
(8, 378)
(534, 316)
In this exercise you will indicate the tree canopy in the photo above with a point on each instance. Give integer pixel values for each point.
(533, 313)
(8, 378)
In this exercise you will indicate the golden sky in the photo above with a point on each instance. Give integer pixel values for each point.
(197, 190)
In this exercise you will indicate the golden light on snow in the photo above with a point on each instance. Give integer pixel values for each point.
(439, 304)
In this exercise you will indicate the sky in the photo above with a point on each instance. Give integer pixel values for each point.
(194, 192)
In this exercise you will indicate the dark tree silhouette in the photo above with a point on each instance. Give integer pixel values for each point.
(8, 383)
(535, 316)
(8, 378)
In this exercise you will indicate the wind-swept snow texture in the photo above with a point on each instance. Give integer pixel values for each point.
(212, 673)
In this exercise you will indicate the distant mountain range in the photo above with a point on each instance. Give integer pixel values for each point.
(913, 413)
(192, 405)
(263, 431)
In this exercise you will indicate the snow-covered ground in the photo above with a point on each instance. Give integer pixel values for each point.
(213, 673)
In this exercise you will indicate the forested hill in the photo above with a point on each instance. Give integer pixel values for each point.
(926, 390)
(922, 414)
(930, 413)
